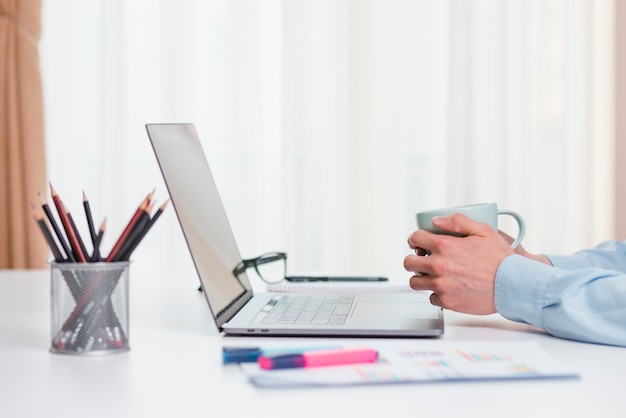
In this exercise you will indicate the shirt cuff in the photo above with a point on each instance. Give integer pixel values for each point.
(569, 262)
(520, 289)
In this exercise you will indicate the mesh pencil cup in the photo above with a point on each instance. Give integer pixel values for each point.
(89, 307)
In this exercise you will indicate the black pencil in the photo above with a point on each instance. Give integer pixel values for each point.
(95, 256)
(81, 243)
(57, 230)
(47, 235)
(92, 228)
(69, 230)
(129, 228)
(135, 233)
(68, 276)
(128, 253)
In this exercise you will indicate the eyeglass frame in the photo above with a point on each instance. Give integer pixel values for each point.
(265, 258)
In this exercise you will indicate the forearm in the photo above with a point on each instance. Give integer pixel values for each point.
(584, 304)
(610, 255)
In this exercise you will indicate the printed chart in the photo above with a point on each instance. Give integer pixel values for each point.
(445, 361)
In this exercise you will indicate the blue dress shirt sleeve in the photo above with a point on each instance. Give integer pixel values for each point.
(580, 297)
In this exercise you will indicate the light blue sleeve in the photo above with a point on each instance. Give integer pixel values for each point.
(582, 297)
(610, 255)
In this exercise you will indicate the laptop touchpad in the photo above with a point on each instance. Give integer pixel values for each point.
(383, 312)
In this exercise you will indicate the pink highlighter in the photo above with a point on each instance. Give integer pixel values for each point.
(319, 358)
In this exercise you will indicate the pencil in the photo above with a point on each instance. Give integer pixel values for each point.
(134, 234)
(81, 244)
(129, 227)
(47, 235)
(55, 227)
(68, 276)
(126, 256)
(92, 229)
(95, 256)
(80, 256)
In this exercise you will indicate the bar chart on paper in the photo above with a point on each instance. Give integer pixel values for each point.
(452, 364)
(453, 361)
(483, 356)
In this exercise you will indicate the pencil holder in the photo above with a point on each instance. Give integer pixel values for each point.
(89, 307)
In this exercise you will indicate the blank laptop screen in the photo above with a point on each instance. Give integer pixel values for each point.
(200, 212)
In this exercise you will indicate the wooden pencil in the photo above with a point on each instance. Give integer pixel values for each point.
(57, 230)
(95, 256)
(81, 244)
(134, 234)
(126, 255)
(69, 277)
(69, 231)
(129, 227)
(92, 228)
(56, 252)
(129, 251)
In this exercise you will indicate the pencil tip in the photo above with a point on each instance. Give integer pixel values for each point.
(147, 199)
(52, 191)
(36, 213)
(84, 196)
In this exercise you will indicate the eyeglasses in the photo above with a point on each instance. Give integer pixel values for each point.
(266, 267)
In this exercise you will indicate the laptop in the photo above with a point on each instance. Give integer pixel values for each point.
(236, 308)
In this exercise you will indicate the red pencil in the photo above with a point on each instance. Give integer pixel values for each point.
(69, 231)
(131, 224)
(143, 220)
(81, 244)
(127, 253)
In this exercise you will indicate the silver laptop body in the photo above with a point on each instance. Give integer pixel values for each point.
(236, 309)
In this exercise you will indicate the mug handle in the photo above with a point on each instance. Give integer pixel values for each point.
(521, 225)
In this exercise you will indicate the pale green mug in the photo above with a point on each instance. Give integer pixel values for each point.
(482, 212)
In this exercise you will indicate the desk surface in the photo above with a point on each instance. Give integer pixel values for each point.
(174, 367)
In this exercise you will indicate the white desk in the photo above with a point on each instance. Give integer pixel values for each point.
(174, 368)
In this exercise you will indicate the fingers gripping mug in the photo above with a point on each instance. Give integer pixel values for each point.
(482, 212)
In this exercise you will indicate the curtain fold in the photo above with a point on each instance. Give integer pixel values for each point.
(22, 146)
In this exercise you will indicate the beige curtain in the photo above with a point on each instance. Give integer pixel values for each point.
(22, 147)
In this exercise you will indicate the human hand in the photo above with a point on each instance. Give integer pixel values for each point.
(459, 270)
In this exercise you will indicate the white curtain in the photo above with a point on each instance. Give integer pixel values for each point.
(329, 123)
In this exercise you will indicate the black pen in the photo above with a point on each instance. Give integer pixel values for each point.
(335, 279)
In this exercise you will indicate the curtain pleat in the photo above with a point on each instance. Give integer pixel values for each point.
(22, 146)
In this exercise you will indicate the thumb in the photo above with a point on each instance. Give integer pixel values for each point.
(460, 224)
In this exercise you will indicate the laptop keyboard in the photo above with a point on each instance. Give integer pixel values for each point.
(315, 309)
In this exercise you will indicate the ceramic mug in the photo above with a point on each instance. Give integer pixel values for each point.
(482, 212)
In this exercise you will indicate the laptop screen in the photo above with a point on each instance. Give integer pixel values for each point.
(202, 217)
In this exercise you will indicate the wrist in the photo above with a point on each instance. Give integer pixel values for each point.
(541, 258)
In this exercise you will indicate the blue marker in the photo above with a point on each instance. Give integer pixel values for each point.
(251, 354)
